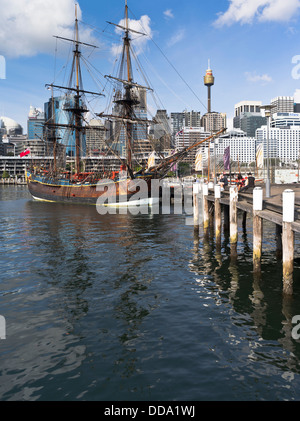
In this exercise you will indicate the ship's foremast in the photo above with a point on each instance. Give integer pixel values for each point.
(78, 109)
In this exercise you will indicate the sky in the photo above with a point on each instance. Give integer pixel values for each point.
(253, 47)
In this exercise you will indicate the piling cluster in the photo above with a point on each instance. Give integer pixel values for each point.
(205, 197)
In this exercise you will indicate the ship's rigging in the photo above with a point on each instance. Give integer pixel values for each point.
(124, 116)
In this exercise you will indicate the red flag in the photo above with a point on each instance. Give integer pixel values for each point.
(25, 153)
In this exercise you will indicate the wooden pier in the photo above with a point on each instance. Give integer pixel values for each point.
(282, 208)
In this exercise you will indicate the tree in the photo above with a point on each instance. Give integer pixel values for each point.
(5, 174)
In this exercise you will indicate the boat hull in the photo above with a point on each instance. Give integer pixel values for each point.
(117, 194)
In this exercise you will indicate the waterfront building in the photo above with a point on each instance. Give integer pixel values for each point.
(284, 120)
(282, 104)
(10, 127)
(242, 147)
(35, 123)
(284, 143)
(11, 143)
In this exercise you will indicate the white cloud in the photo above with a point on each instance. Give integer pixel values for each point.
(297, 96)
(253, 77)
(178, 36)
(246, 11)
(168, 14)
(27, 27)
(138, 41)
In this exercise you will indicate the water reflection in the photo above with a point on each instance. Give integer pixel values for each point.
(255, 297)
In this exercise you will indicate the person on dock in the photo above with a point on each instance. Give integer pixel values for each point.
(223, 181)
(240, 181)
(249, 184)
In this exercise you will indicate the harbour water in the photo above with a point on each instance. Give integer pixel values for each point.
(138, 308)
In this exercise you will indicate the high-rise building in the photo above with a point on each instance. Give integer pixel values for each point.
(242, 147)
(213, 121)
(285, 120)
(247, 107)
(62, 117)
(284, 143)
(184, 119)
(35, 123)
(248, 117)
(282, 104)
(249, 122)
(95, 137)
(160, 130)
(177, 122)
(187, 137)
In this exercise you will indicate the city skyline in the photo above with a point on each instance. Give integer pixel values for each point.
(252, 48)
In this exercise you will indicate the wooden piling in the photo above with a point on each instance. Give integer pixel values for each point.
(205, 207)
(288, 199)
(257, 228)
(233, 218)
(196, 205)
(218, 218)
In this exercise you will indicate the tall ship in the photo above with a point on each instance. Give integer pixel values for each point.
(58, 182)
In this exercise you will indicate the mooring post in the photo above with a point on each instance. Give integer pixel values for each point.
(257, 227)
(288, 211)
(218, 218)
(233, 217)
(205, 207)
(196, 205)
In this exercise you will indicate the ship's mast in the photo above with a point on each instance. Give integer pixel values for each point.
(76, 108)
(128, 91)
(77, 98)
(128, 100)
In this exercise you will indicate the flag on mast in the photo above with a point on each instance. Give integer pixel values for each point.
(198, 161)
(24, 153)
(226, 158)
(260, 156)
(151, 160)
